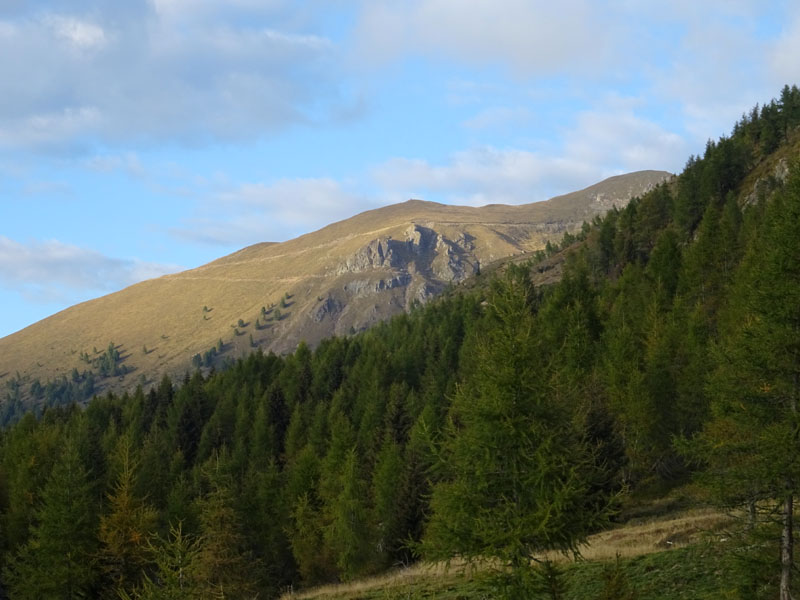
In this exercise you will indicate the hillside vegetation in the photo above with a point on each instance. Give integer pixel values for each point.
(338, 280)
(501, 426)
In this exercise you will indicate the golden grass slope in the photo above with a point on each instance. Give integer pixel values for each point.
(341, 278)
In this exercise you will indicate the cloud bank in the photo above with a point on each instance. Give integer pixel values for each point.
(45, 271)
(87, 73)
(247, 213)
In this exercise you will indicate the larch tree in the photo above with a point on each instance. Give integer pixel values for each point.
(751, 446)
(175, 574)
(223, 564)
(515, 472)
(126, 528)
(57, 561)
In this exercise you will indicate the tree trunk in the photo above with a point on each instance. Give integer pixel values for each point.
(751, 514)
(787, 548)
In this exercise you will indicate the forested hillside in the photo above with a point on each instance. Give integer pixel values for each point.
(495, 423)
(337, 280)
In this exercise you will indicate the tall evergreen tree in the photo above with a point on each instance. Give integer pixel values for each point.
(175, 574)
(752, 445)
(57, 562)
(125, 530)
(223, 565)
(347, 533)
(515, 472)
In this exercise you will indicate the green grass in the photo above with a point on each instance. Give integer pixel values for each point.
(693, 572)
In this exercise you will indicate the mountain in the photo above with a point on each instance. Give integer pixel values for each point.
(334, 281)
(500, 427)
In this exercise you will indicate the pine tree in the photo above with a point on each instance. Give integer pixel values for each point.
(175, 576)
(125, 530)
(57, 561)
(312, 556)
(515, 473)
(223, 565)
(751, 445)
(388, 503)
(347, 534)
(616, 583)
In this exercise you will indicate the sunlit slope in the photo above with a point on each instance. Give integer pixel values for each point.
(339, 279)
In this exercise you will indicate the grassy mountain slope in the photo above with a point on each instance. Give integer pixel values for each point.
(334, 464)
(341, 278)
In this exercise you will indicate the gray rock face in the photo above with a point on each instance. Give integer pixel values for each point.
(424, 262)
(342, 278)
(411, 264)
(764, 186)
(329, 308)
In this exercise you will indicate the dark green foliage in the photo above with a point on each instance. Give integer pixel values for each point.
(516, 475)
(58, 559)
(222, 566)
(616, 583)
(107, 364)
(174, 575)
(494, 423)
(549, 581)
(125, 530)
(347, 533)
(750, 443)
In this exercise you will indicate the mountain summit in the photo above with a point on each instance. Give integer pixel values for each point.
(334, 281)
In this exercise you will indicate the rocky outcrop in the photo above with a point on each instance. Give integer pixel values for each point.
(423, 262)
(343, 278)
(329, 309)
(764, 186)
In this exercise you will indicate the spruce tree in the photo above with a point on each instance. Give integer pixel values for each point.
(125, 530)
(175, 575)
(347, 534)
(223, 565)
(388, 504)
(58, 559)
(515, 473)
(751, 445)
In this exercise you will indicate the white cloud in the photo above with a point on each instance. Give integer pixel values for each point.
(529, 36)
(615, 140)
(49, 269)
(106, 163)
(783, 57)
(36, 188)
(498, 117)
(81, 34)
(706, 61)
(277, 211)
(713, 74)
(483, 176)
(139, 73)
(606, 141)
(204, 9)
(51, 130)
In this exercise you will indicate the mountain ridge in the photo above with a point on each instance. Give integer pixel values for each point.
(341, 278)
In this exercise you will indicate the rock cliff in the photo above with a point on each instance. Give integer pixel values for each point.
(340, 279)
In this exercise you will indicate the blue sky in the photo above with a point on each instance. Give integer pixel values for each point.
(143, 137)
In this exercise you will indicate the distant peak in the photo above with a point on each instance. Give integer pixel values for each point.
(412, 201)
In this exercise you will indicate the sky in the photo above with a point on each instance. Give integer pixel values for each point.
(145, 137)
